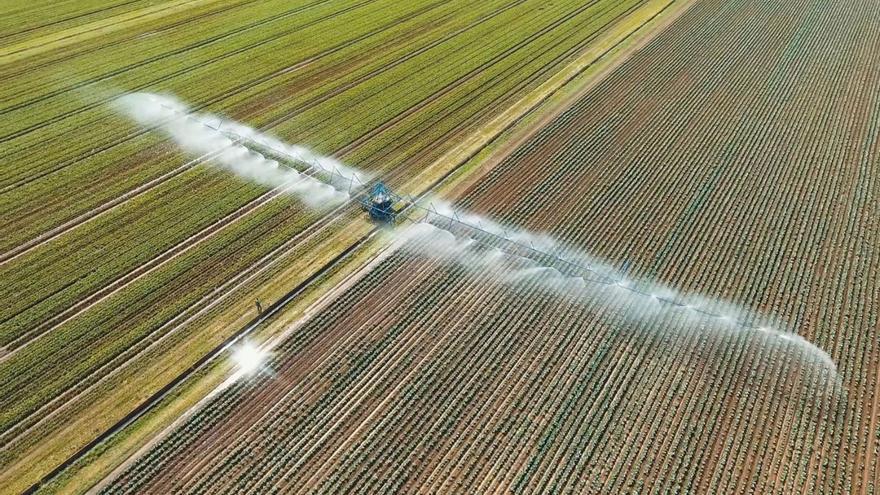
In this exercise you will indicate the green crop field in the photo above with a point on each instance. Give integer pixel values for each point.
(124, 261)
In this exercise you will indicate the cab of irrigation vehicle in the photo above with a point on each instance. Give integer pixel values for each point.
(380, 204)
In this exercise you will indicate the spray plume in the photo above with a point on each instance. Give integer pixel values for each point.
(586, 279)
(223, 143)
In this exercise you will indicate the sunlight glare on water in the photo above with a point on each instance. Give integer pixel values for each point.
(249, 358)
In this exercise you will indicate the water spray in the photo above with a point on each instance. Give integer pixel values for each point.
(435, 227)
(571, 274)
(249, 359)
(240, 149)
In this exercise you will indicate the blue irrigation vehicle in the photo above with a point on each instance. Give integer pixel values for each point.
(380, 203)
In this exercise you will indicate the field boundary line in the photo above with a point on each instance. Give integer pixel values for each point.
(92, 214)
(137, 273)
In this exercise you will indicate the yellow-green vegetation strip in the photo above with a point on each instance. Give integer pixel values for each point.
(94, 29)
(33, 18)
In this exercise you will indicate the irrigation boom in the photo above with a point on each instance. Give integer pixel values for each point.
(386, 207)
